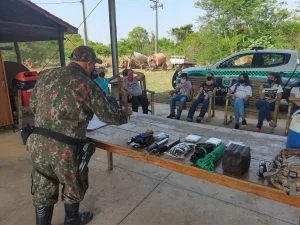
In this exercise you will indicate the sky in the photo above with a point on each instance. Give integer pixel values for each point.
(130, 14)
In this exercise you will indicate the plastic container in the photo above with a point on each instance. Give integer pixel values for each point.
(25, 97)
(26, 80)
(293, 138)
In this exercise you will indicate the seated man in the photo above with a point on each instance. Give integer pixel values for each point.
(182, 93)
(134, 91)
(103, 82)
(295, 97)
(208, 88)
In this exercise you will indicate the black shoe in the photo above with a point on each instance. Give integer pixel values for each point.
(244, 122)
(177, 117)
(236, 126)
(199, 119)
(43, 215)
(171, 116)
(189, 119)
(73, 217)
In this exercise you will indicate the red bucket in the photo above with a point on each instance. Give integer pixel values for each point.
(26, 97)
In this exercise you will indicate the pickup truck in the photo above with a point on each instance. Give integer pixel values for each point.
(179, 61)
(257, 62)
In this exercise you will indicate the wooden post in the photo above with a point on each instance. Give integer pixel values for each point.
(61, 51)
(226, 111)
(110, 165)
(17, 50)
(19, 106)
(209, 108)
(288, 119)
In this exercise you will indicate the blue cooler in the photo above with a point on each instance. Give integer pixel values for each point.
(293, 138)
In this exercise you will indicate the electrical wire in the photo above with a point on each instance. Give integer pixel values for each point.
(68, 38)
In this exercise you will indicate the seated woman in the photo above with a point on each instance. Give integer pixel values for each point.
(295, 97)
(269, 93)
(183, 91)
(208, 88)
(134, 91)
(240, 93)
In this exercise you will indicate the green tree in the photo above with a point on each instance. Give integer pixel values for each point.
(239, 24)
(138, 39)
(100, 49)
(180, 33)
(72, 41)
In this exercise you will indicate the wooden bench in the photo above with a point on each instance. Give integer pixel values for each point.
(251, 109)
(196, 84)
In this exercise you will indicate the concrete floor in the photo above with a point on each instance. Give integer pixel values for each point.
(135, 193)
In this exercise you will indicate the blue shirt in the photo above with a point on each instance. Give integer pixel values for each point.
(103, 84)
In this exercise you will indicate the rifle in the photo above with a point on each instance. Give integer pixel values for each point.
(164, 148)
(85, 154)
(156, 145)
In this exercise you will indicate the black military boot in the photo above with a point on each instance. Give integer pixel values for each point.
(43, 215)
(73, 217)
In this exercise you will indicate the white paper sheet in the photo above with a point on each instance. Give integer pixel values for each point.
(95, 123)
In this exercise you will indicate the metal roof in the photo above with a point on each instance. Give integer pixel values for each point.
(22, 20)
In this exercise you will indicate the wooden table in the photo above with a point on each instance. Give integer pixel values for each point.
(114, 139)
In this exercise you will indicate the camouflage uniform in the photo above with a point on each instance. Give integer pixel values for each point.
(64, 100)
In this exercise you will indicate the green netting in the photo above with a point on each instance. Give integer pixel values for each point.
(208, 162)
(237, 72)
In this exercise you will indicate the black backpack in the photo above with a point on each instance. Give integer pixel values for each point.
(236, 159)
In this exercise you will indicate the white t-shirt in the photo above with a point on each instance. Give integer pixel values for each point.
(185, 87)
(241, 91)
(271, 92)
(296, 92)
(133, 86)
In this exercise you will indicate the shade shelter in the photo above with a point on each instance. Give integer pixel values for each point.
(23, 21)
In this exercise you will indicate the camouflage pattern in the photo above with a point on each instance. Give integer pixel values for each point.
(64, 100)
(84, 54)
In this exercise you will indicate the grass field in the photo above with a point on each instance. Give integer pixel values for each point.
(160, 82)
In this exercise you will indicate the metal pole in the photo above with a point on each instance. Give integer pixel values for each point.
(84, 23)
(113, 36)
(115, 63)
(155, 7)
(156, 31)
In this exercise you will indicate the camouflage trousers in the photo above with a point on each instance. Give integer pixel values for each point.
(55, 164)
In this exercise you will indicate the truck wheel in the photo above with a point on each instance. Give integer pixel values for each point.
(175, 75)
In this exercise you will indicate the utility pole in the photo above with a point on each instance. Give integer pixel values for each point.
(84, 24)
(155, 6)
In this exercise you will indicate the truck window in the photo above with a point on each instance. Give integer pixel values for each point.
(239, 61)
(275, 59)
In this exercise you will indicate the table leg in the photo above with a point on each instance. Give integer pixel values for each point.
(110, 165)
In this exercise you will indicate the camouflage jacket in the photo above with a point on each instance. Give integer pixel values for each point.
(64, 100)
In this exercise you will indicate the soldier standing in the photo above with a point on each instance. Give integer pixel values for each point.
(63, 101)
